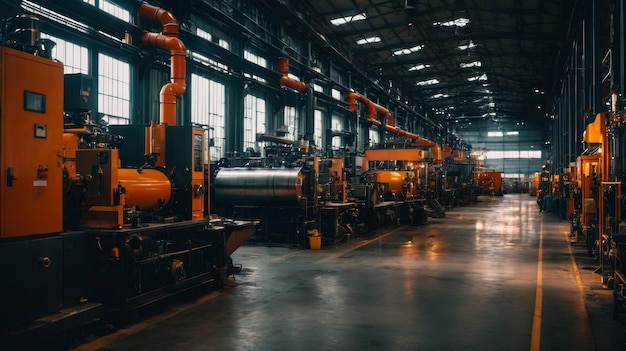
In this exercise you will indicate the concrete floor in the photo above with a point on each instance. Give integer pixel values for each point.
(496, 275)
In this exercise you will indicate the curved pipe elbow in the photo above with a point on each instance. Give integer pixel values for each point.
(283, 68)
(293, 84)
(158, 14)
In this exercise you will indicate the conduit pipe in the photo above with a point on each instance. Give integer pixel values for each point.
(372, 113)
(168, 41)
(283, 68)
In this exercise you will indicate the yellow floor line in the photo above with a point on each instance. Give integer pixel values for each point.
(535, 338)
(286, 256)
(335, 255)
(579, 280)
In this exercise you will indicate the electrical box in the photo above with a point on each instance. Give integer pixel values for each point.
(77, 93)
(31, 142)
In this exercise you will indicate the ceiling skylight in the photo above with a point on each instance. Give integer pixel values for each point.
(427, 82)
(470, 64)
(467, 46)
(347, 19)
(475, 78)
(419, 67)
(368, 40)
(459, 22)
(440, 96)
(407, 51)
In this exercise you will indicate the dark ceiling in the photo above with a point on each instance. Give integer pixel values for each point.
(507, 75)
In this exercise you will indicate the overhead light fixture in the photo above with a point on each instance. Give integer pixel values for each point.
(419, 67)
(439, 96)
(369, 40)
(471, 64)
(407, 51)
(475, 78)
(427, 82)
(467, 46)
(459, 22)
(347, 19)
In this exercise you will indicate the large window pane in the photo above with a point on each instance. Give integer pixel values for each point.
(75, 58)
(254, 120)
(114, 89)
(208, 109)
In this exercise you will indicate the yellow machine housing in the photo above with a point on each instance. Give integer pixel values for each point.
(31, 127)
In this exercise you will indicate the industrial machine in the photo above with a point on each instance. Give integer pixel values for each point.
(294, 193)
(84, 233)
(489, 181)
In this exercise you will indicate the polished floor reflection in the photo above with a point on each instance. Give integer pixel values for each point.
(496, 275)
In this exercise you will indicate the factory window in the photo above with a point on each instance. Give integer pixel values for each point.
(255, 58)
(253, 120)
(109, 7)
(290, 121)
(75, 58)
(498, 155)
(113, 89)
(337, 126)
(318, 129)
(206, 35)
(209, 62)
(336, 94)
(115, 10)
(374, 137)
(208, 109)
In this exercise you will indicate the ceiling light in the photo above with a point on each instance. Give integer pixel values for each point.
(471, 64)
(459, 22)
(407, 51)
(439, 96)
(514, 132)
(427, 82)
(419, 67)
(347, 19)
(469, 45)
(475, 78)
(369, 40)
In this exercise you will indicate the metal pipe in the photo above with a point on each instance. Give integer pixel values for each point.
(177, 85)
(283, 68)
(372, 113)
(168, 41)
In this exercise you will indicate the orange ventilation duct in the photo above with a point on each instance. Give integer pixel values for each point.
(168, 41)
(372, 113)
(283, 68)
(157, 14)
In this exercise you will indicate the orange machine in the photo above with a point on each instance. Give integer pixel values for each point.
(593, 166)
(31, 123)
(534, 189)
(489, 181)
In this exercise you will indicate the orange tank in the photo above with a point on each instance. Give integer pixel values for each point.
(147, 190)
(393, 180)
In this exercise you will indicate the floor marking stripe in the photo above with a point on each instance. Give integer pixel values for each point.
(286, 256)
(579, 280)
(335, 255)
(535, 338)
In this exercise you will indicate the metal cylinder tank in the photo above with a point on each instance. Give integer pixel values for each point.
(259, 186)
(147, 190)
